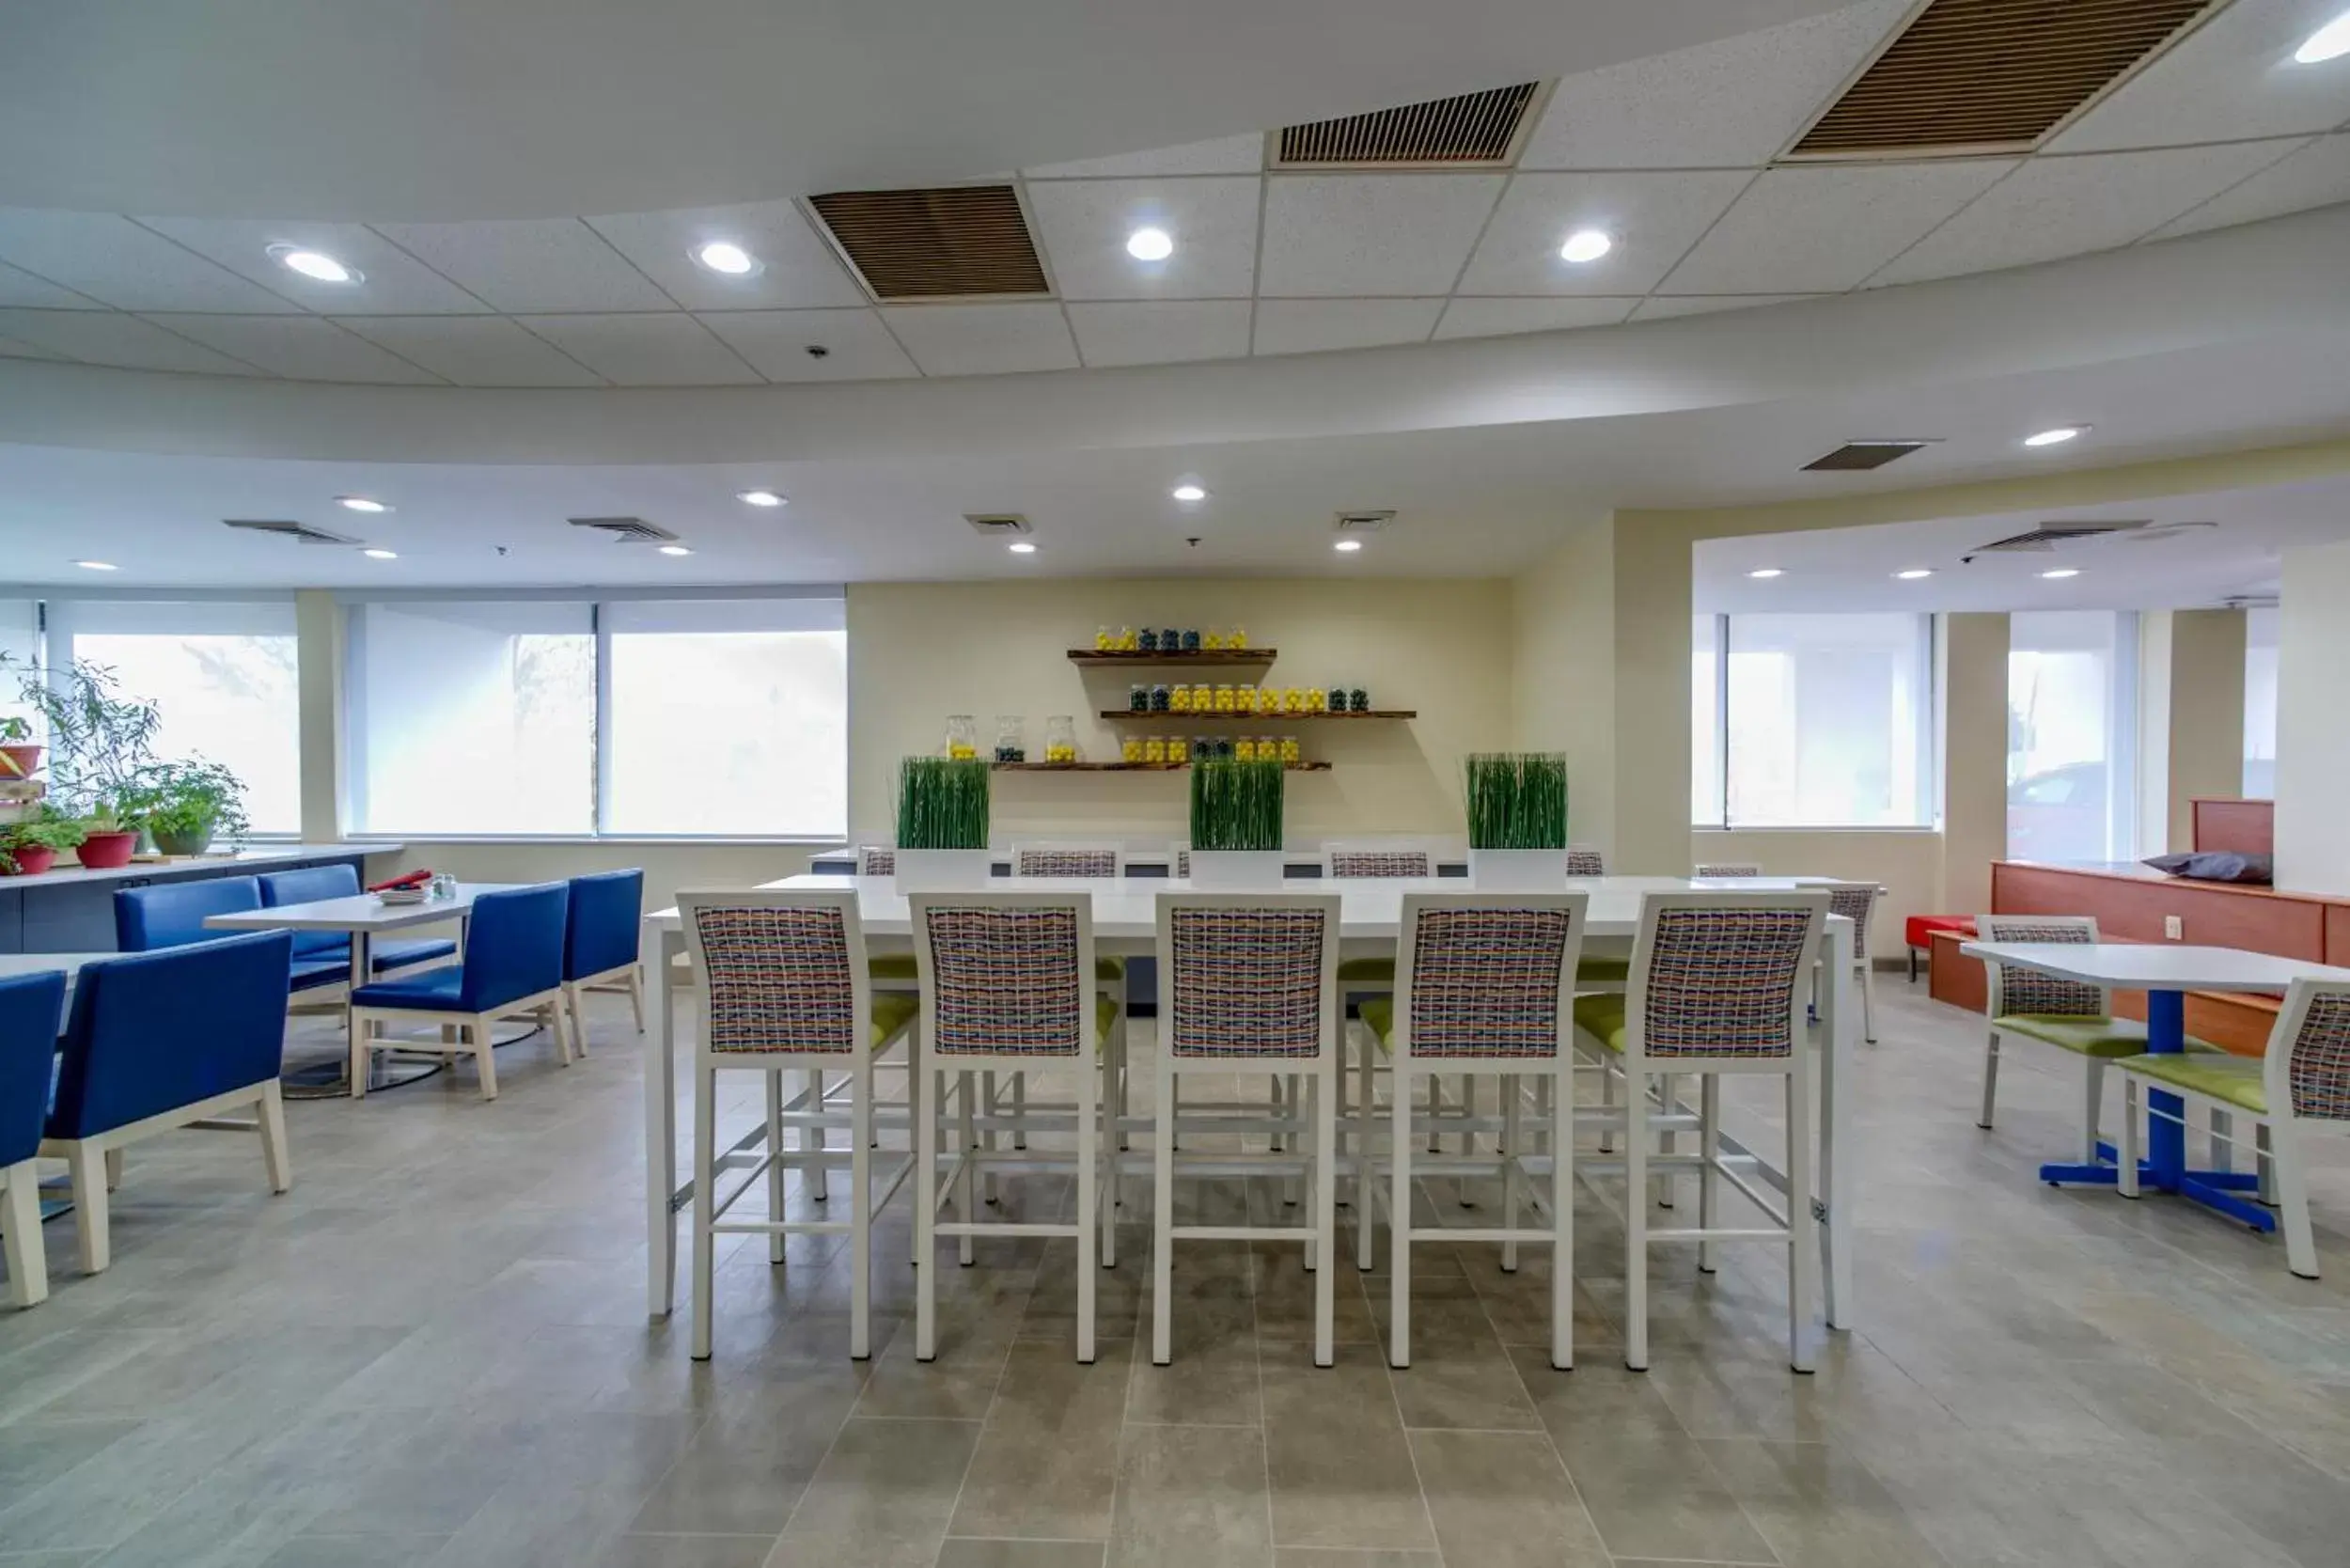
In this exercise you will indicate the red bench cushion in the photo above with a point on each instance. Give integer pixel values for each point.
(1918, 930)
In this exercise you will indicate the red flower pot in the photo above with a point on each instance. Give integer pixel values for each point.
(33, 859)
(19, 761)
(107, 852)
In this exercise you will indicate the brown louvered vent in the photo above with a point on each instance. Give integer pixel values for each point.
(1475, 128)
(2049, 536)
(301, 533)
(950, 243)
(1982, 75)
(1858, 457)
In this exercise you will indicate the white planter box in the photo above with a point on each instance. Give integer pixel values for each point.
(1238, 871)
(922, 870)
(1502, 871)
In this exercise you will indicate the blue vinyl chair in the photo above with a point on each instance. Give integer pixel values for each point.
(172, 915)
(310, 884)
(599, 941)
(513, 967)
(159, 1040)
(29, 1006)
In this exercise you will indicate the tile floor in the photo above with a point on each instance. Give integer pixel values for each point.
(433, 1351)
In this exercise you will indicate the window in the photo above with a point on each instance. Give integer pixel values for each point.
(723, 717)
(1705, 722)
(2260, 704)
(2072, 740)
(225, 676)
(1822, 721)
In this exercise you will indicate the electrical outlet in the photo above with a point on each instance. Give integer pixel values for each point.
(2173, 928)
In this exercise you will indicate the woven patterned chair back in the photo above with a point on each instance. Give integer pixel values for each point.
(1380, 862)
(2317, 1065)
(1006, 976)
(1246, 978)
(778, 974)
(1065, 860)
(1183, 861)
(876, 860)
(1856, 902)
(1722, 977)
(2020, 992)
(1585, 862)
(1485, 978)
(1725, 868)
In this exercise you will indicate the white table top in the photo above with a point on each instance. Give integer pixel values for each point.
(361, 912)
(2156, 966)
(13, 964)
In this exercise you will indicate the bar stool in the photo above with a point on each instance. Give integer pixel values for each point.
(1857, 902)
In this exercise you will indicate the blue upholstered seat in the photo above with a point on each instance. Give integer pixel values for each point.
(513, 948)
(310, 884)
(30, 1008)
(172, 913)
(601, 933)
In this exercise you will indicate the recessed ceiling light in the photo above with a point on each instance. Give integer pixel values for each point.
(1585, 244)
(2329, 42)
(1188, 493)
(725, 255)
(2056, 437)
(2062, 571)
(360, 503)
(316, 265)
(1914, 574)
(758, 497)
(1348, 545)
(1767, 572)
(675, 550)
(1020, 547)
(1149, 244)
(98, 566)
(373, 553)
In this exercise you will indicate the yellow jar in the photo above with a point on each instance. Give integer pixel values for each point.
(1102, 640)
(1130, 750)
(1179, 700)
(1224, 699)
(1244, 750)
(1154, 750)
(1290, 752)
(1237, 638)
(1213, 641)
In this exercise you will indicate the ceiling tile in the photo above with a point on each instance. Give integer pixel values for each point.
(22, 289)
(116, 262)
(1370, 233)
(1660, 306)
(979, 340)
(2231, 79)
(797, 267)
(301, 348)
(13, 347)
(1306, 326)
(2317, 176)
(1818, 229)
(1732, 103)
(110, 337)
(1491, 318)
(1082, 223)
(474, 351)
(1653, 218)
(1225, 155)
(1160, 332)
(776, 343)
(670, 349)
(531, 264)
(391, 281)
(2055, 207)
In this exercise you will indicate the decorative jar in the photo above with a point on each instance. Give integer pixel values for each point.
(1130, 749)
(1154, 752)
(1358, 700)
(1178, 700)
(1290, 752)
(1238, 638)
(1161, 701)
(1011, 738)
(1191, 640)
(963, 737)
(1150, 640)
(1060, 738)
(1137, 698)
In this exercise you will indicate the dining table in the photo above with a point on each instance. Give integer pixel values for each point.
(1125, 924)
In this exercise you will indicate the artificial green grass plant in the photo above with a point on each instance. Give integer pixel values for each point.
(942, 804)
(1516, 800)
(1236, 805)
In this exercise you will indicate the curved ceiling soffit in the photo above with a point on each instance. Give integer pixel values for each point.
(2281, 278)
(438, 110)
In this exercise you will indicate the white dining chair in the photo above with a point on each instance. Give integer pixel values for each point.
(1857, 902)
(1095, 861)
(1725, 868)
(1586, 860)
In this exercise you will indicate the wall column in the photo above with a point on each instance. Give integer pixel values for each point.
(2312, 743)
(2206, 676)
(1654, 571)
(319, 648)
(1972, 653)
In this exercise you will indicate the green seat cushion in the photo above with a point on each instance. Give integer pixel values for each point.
(892, 1011)
(1379, 1014)
(900, 967)
(1380, 969)
(1603, 971)
(2235, 1080)
(2088, 1037)
(1603, 1018)
(1105, 1015)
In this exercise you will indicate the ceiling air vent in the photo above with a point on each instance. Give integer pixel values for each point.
(1857, 457)
(1363, 522)
(301, 533)
(2049, 536)
(1993, 75)
(956, 241)
(626, 531)
(1478, 128)
(998, 525)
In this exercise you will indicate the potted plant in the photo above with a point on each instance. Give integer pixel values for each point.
(1236, 824)
(184, 804)
(1517, 803)
(19, 756)
(943, 824)
(101, 746)
(30, 844)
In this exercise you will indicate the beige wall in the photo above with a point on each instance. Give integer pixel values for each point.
(2312, 743)
(1907, 865)
(918, 652)
(1562, 681)
(1972, 653)
(1652, 552)
(2206, 703)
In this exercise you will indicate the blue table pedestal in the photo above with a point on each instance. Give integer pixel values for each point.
(2164, 1170)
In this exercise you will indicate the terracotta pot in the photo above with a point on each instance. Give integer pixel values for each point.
(107, 852)
(33, 859)
(19, 760)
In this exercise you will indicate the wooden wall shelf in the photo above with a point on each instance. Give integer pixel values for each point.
(1274, 720)
(1129, 767)
(1128, 658)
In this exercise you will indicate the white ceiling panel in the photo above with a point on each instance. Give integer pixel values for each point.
(2316, 176)
(982, 340)
(110, 337)
(2054, 207)
(857, 347)
(1653, 218)
(16, 348)
(670, 350)
(1826, 229)
(474, 351)
(116, 262)
(301, 348)
(1082, 224)
(391, 281)
(1225, 155)
(1734, 103)
(797, 267)
(19, 287)
(1371, 235)
(1493, 318)
(531, 264)
(2231, 79)
(1160, 332)
(1308, 327)
(1663, 305)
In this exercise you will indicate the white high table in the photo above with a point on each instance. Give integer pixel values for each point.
(1125, 922)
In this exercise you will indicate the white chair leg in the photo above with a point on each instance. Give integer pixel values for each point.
(1990, 1077)
(926, 1215)
(1667, 1143)
(967, 1186)
(483, 1060)
(1868, 1000)
(2125, 1173)
(1803, 1254)
(88, 1170)
(20, 1235)
(1365, 1236)
(2292, 1189)
(269, 1122)
(636, 995)
(2263, 1164)
(773, 1079)
(1400, 1223)
(861, 1210)
(1162, 1214)
(814, 1138)
(705, 1200)
(114, 1170)
(1088, 1200)
(1709, 1179)
(1113, 1055)
(1323, 1087)
(1562, 1219)
(1608, 1104)
(2092, 1107)
(579, 1023)
(1019, 1110)
(2219, 1142)
(1635, 1201)
(362, 1031)
(1512, 1151)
